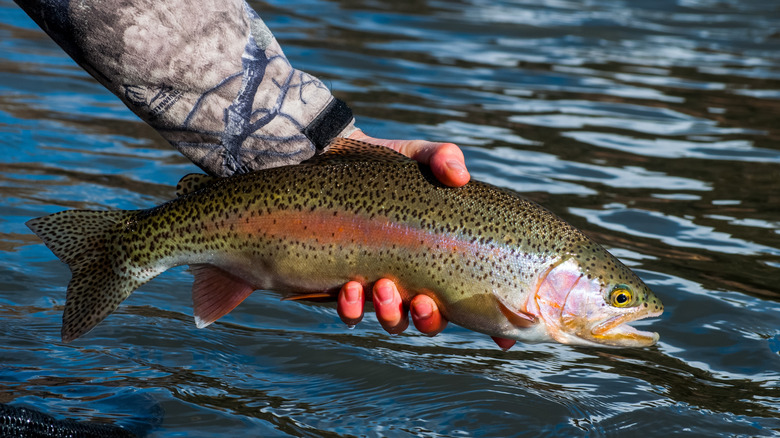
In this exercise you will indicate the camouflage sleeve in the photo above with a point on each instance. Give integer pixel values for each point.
(207, 74)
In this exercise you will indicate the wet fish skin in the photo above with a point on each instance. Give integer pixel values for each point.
(18, 421)
(359, 212)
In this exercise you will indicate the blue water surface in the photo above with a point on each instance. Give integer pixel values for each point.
(651, 125)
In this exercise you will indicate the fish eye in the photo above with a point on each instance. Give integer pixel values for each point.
(621, 296)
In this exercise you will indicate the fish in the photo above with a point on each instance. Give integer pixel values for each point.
(493, 261)
(18, 421)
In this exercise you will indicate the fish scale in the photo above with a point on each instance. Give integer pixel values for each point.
(359, 212)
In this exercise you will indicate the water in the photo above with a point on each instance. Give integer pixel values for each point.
(651, 125)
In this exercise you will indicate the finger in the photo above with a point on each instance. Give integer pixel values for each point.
(389, 307)
(445, 159)
(350, 303)
(426, 315)
(504, 343)
(447, 163)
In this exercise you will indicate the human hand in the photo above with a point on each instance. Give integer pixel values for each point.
(447, 163)
(390, 310)
(445, 159)
(392, 314)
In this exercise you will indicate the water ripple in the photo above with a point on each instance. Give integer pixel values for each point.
(732, 150)
(650, 125)
(656, 225)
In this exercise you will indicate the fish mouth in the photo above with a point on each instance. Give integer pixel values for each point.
(617, 332)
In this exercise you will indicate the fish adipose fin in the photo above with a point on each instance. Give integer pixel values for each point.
(193, 182)
(82, 239)
(215, 293)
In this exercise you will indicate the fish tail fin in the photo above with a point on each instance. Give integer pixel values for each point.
(82, 239)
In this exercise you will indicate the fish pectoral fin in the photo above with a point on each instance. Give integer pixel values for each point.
(215, 293)
(518, 318)
(313, 296)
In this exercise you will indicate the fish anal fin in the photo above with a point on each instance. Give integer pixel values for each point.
(215, 293)
(193, 182)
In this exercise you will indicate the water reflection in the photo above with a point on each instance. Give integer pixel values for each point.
(708, 149)
(685, 233)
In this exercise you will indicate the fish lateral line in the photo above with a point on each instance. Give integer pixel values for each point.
(348, 228)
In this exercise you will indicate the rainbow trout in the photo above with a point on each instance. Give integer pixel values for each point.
(492, 261)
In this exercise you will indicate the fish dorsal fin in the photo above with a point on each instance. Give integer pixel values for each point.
(193, 182)
(345, 150)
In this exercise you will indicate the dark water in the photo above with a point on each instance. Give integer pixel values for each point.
(651, 125)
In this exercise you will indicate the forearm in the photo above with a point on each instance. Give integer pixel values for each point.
(207, 74)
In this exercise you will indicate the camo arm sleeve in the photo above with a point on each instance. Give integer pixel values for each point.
(207, 74)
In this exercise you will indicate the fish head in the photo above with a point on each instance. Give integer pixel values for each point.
(590, 301)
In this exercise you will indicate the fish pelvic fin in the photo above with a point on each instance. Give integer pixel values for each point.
(215, 293)
(82, 239)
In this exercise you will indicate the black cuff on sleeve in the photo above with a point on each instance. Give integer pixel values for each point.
(328, 123)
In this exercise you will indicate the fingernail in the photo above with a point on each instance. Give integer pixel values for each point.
(455, 166)
(423, 310)
(352, 294)
(385, 294)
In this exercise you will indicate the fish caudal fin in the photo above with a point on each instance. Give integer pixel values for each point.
(215, 293)
(81, 238)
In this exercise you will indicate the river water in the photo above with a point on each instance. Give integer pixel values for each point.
(654, 126)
